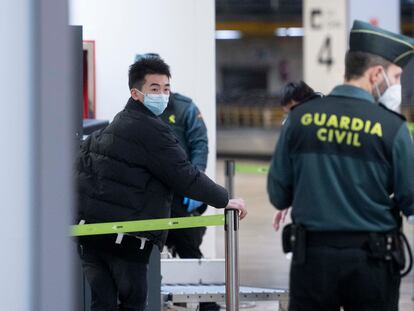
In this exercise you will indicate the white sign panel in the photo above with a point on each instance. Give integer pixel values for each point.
(325, 43)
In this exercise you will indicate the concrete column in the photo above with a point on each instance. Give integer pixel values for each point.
(37, 135)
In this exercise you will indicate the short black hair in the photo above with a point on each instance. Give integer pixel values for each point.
(297, 91)
(356, 63)
(146, 66)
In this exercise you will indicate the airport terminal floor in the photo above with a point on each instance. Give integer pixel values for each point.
(262, 262)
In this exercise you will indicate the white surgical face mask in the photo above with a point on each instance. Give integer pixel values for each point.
(391, 98)
(157, 103)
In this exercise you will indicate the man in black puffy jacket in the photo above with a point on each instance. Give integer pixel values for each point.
(129, 171)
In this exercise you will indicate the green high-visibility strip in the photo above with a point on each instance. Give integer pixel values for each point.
(147, 225)
(411, 127)
(252, 169)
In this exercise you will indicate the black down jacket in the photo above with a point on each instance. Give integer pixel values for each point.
(130, 169)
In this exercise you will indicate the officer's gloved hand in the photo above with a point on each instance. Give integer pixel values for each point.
(191, 204)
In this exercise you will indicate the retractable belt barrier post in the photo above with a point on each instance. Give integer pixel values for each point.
(232, 245)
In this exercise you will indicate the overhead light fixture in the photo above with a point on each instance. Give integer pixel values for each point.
(228, 34)
(289, 32)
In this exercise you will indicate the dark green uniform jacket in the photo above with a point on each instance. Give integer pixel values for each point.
(339, 159)
(188, 126)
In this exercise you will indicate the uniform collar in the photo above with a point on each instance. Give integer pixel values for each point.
(347, 90)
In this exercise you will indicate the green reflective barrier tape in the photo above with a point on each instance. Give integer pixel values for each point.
(252, 169)
(147, 225)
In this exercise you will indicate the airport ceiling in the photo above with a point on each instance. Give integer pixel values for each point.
(262, 17)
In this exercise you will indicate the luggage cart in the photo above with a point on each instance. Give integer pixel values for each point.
(188, 282)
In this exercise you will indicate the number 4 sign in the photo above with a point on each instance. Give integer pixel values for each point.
(325, 43)
(325, 53)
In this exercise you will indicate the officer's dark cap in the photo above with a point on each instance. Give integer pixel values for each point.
(396, 48)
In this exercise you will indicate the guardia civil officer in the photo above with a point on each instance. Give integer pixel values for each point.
(292, 94)
(129, 171)
(345, 165)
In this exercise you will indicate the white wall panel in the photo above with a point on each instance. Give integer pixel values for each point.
(182, 32)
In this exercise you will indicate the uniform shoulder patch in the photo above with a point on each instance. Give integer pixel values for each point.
(393, 112)
(171, 118)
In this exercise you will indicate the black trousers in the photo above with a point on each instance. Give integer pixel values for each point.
(114, 279)
(332, 278)
(186, 242)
